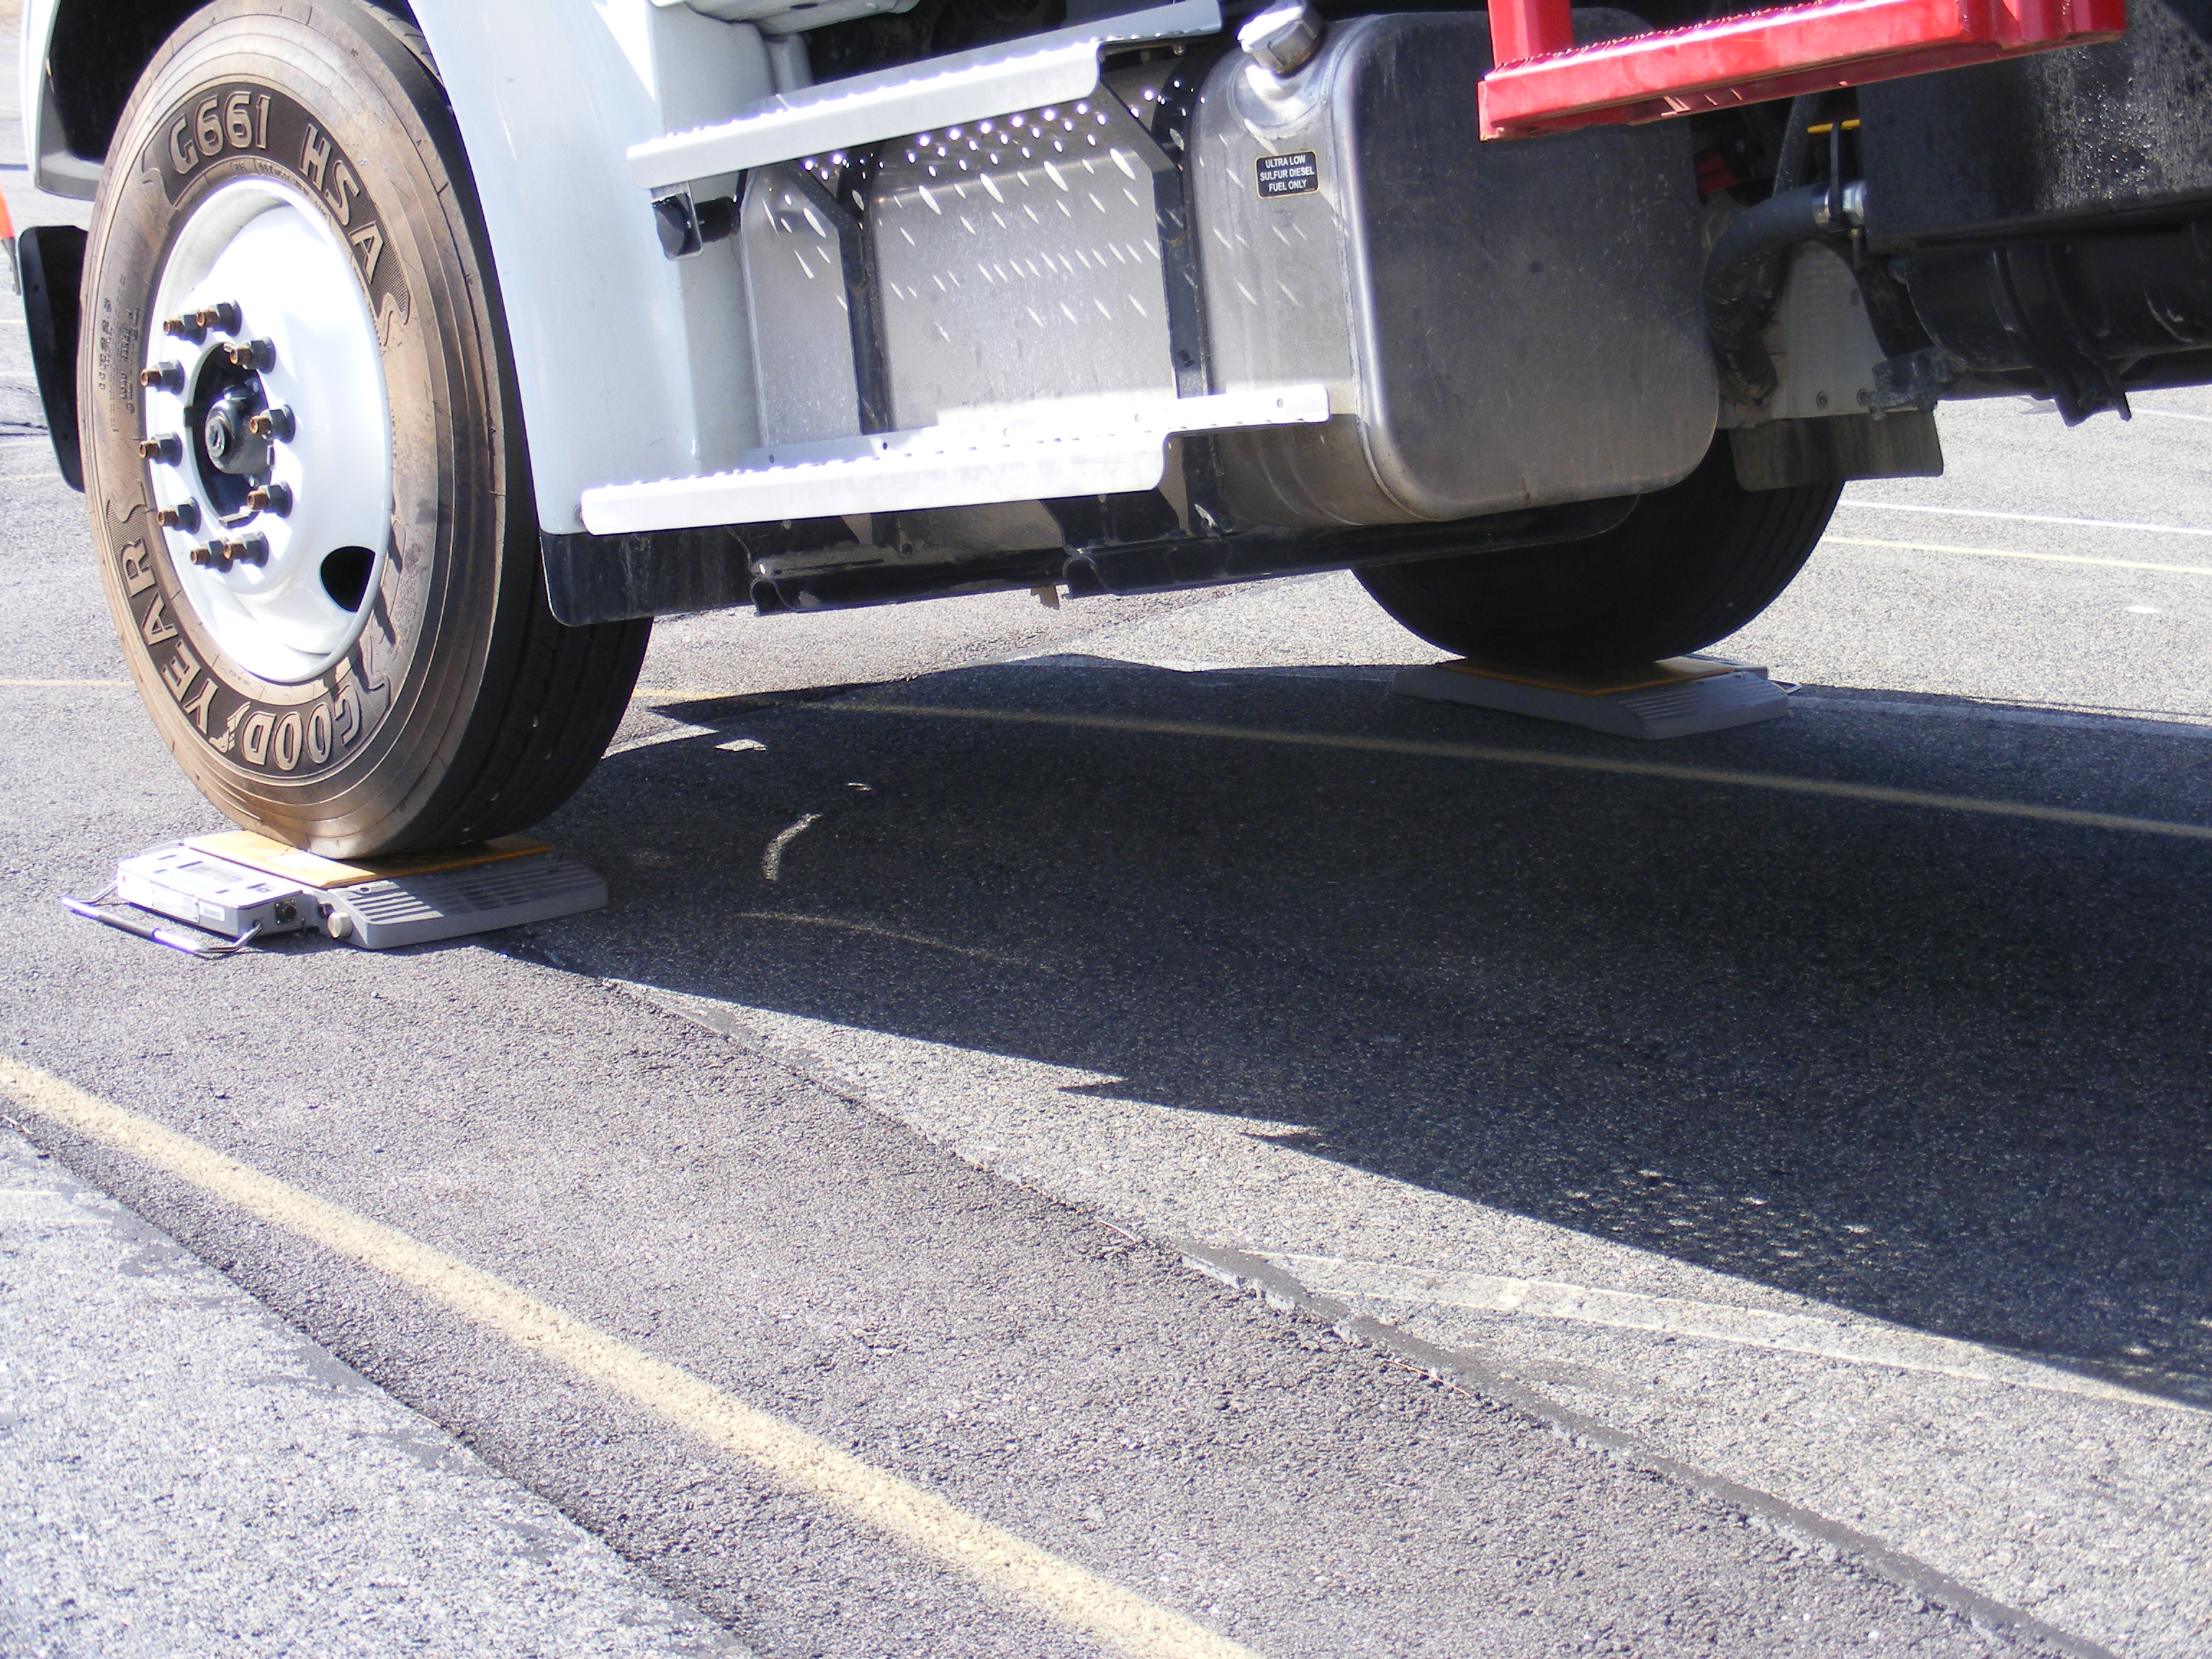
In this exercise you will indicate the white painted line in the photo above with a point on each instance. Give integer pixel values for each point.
(771, 858)
(676, 733)
(2026, 518)
(2130, 722)
(743, 746)
(652, 695)
(1417, 748)
(920, 1520)
(2010, 553)
(2172, 414)
(1858, 1342)
(1106, 657)
(74, 685)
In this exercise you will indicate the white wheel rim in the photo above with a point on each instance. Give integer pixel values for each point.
(265, 249)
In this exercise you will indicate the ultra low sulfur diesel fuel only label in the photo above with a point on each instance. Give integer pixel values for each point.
(1295, 174)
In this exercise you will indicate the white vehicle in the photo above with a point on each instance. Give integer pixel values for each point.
(418, 355)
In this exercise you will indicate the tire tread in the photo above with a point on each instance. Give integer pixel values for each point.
(1691, 564)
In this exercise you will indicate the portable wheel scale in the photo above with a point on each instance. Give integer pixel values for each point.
(245, 886)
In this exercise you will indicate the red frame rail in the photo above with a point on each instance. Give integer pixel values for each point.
(1545, 84)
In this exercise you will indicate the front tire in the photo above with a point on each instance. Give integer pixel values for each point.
(310, 491)
(1690, 564)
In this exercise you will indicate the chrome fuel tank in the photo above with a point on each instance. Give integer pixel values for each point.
(1501, 324)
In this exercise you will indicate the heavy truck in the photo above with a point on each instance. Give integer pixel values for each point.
(420, 353)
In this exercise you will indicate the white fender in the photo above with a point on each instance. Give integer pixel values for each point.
(53, 169)
(549, 95)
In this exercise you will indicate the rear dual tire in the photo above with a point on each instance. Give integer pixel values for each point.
(1691, 564)
(406, 685)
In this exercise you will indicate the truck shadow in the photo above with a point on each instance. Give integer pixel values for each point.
(1941, 1068)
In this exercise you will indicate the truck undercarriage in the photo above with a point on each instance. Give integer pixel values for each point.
(1562, 329)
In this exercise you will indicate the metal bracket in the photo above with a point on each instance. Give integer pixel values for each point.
(1543, 82)
(2029, 294)
(1915, 380)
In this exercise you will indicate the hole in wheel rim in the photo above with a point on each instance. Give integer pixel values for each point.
(345, 576)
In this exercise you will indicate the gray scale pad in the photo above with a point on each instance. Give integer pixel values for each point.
(1688, 706)
(450, 903)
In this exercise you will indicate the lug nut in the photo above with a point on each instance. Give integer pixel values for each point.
(167, 377)
(271, 498)
(209, 558)
(169, 450)
(184, 515)
(275, 423)
(223, 316)
(185, 328)
(251, 549)
(259, 355)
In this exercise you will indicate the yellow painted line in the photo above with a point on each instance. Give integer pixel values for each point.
(85, 685)
(873, 930)
(2012, 553)
(920, 1520)
(1821, 789)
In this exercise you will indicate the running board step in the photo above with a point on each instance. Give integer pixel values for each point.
(1081, 450)
(1054, 68)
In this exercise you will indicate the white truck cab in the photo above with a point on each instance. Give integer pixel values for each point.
(419, 355)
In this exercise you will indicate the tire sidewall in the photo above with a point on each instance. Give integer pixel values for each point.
(338, 109)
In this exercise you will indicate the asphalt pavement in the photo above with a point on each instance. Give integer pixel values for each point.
(1335, 1173)
(183, 1473)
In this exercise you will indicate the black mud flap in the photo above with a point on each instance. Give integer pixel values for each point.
(52, 259)
(1836, 448)
(666, 573)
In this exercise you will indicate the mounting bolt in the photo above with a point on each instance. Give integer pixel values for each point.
(1284, 36)
(223, 317)
(210, 558)
(275, 423)
(185, 328)
(250, 549)
(166, 377)
(184, 515)
(259, 355)
(169, 450)
(271, 498)
(678, 222)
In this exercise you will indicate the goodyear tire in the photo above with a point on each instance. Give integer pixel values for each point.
(1690, 565)
(303, 453)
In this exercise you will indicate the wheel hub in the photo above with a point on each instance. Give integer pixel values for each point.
(268, 432)
(229, 445)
